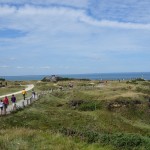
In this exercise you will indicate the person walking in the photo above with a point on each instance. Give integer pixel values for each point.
(13, 99)
(24, 93)
(1, 106)
(6, 103)
(33, 94)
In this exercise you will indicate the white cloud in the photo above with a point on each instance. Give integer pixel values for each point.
(113, 24)
(72, 3)
(45, 67)
(4, 66)
(7, 10)
(62, 35)
(41, 18)
(19, 67)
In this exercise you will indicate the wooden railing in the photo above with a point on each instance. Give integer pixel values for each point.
(28, 101)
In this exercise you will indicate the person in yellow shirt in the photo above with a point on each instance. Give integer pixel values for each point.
(24, 93)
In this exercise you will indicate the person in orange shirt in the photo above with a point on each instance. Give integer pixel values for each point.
(24, 93)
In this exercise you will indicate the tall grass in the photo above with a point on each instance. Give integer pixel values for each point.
(28, 139)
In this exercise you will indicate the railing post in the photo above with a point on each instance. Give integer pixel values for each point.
(27, 102)
(23, 104)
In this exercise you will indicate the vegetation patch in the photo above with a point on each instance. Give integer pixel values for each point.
(2, 79)
(118, 140)
(77, 118)
(123, 102)
(143, 90)
(29, 139)
(85, 105)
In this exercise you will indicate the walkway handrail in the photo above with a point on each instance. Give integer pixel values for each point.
(28, 101)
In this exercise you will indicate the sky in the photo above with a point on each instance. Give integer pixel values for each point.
(43, 37)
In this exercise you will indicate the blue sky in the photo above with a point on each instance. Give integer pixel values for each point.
(74, 36)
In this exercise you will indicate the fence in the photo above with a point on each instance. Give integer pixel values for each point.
(28, 101)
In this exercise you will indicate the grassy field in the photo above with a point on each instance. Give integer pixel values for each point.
(89, 116)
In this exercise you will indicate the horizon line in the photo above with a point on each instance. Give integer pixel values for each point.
(75, 73)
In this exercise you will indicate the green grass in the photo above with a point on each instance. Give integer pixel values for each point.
(25, 139)
(8, 90)
(53, 122)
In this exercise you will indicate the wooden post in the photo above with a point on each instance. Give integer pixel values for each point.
(27, 102)
(23, 104)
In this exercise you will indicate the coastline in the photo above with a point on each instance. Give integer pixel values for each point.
(91, 76)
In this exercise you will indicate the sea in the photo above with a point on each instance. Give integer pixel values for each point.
(91, 76)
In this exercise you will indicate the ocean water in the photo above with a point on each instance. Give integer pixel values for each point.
(94, 76)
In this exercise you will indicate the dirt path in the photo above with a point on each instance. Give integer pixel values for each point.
(29, 87)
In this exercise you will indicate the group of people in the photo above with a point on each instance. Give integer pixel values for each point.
(5, 102)
(24, 94)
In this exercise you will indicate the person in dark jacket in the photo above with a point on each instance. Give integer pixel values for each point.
(13, 100)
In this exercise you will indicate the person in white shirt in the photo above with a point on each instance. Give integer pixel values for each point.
(33, 94)
(1, 106)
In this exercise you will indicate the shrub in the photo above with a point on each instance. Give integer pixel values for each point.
(91, 137)
(75, 103)
(121, 101)
(139, 79)
(2, 79)
(126, 140)
(89, 106)
(85, 105)
(143, 90)
(132, 82)
(118, 140)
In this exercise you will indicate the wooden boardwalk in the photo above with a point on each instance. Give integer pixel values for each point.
(29, 100)
(22, 103)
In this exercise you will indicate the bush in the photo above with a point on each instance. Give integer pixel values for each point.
(2, 79)
(91, 137)
(75, 103)
(126, 140)
(118, 140)
(139, 79)
(143, 90)
(89, 106)
(85, 105)
(132, 82)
